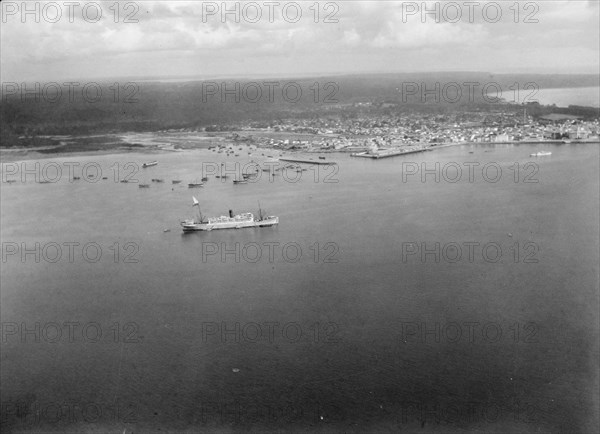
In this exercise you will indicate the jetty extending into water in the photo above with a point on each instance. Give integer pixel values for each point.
(389, 153)
(304, 161)
(404, 151)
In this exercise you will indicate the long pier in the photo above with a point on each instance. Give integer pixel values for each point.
(303, 161)
(387, 154)
(395, 153)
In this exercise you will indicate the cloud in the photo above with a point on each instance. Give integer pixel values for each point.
(362, 35)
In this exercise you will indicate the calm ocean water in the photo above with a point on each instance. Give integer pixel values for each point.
(349, 328)
(583, 96)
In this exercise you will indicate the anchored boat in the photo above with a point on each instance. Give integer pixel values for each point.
(196, 183)
(239, 221)
(152, 163)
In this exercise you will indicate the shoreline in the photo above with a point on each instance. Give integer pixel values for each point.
(25, 154)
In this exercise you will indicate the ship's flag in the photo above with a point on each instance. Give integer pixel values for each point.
(196, 203)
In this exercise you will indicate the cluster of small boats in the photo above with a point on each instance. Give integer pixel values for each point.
(245, 177)
(228, 150)
(197, 183)
(202, 223)
(77, 178)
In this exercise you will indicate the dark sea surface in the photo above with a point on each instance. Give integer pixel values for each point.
(349, 329)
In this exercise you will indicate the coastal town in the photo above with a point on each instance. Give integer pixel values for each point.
(358, 129)
(389, 134)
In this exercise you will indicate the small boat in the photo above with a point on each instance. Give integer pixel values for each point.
(240, 181)
(321, 158)
(176, 181)
(195, 184)
(540, 154)
(144, 186)
(157, 180)
(152, 163)
(124, 181)
(75, 178)
(204, 179)
(105, 177)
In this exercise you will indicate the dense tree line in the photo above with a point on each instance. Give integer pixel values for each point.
(216, 105)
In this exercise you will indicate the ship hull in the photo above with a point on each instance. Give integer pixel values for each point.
(540, 154)
(195, 227)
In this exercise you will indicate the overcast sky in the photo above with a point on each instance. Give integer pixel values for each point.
(176, 38)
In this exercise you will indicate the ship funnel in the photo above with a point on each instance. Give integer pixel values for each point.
(230, 213)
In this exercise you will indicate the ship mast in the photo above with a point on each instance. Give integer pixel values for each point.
(196, 203)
